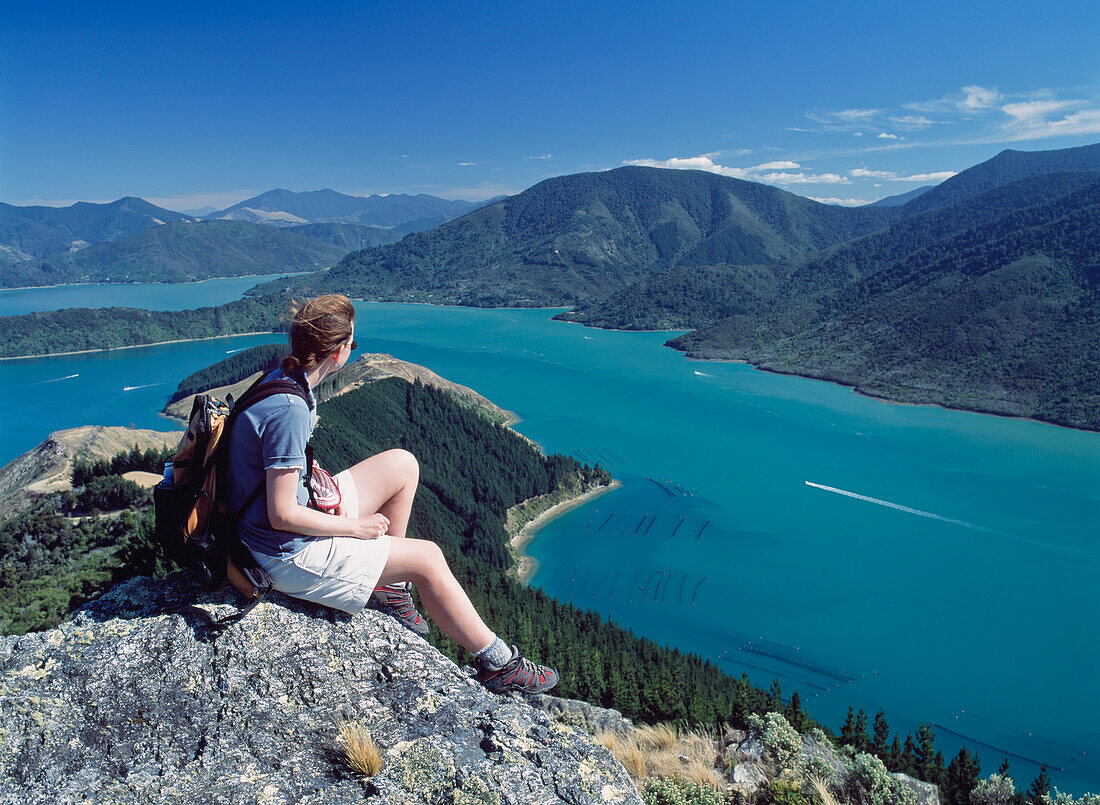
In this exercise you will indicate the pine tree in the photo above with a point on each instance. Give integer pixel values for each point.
(795, 714)
(775, 697)
(962, 777)
(1039, 786)
(908, 756)
(1003, 769)
(894, 764)
(863, 743)
(925, 752)
(848, 730)
(882, 734)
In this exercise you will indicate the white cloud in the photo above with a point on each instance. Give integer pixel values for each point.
(768, 172)
(912, 121)
(857, 133)
(975, 98)
(853, 115)
(466, 164)
(841, 202)
(937, 176)
(863, 173)
(540, 156)
(882, 135)
(772, 166)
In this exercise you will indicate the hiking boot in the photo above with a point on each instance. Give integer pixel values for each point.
(519, 673)
(396, 600)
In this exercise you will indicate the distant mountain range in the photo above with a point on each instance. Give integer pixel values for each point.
(38, 245)
(183, 251)
(287, 208)
(31, 233)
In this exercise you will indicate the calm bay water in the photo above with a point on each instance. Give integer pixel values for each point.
(151, 296)
(938, 564)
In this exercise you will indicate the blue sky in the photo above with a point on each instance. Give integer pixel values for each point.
(194, 104)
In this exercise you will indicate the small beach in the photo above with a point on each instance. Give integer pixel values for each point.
(527, 566)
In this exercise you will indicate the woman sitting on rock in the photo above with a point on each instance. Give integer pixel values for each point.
(363, 555)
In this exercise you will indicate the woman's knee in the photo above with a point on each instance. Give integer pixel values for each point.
(419, 560)
(403, 464)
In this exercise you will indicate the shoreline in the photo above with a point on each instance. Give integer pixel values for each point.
(134, 346)
(881, 398)
(527, 566)
(130, 282)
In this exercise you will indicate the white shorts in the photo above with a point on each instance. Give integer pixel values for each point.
(339, 572)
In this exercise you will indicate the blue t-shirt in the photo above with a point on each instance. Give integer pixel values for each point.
(271, 434)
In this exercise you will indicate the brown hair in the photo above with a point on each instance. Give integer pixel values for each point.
(319, 328)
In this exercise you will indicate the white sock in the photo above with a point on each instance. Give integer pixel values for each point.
(496, 654)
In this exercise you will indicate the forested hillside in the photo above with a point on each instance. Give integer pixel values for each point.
(181, 252)
(77, 329)
(1000, 317)
(31, 233)
(575, 238)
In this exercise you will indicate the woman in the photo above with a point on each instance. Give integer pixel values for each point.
(362, 556)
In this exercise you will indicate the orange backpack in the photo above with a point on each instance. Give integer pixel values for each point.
(194, 521)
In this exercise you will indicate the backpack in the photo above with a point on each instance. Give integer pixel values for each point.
(194, 523)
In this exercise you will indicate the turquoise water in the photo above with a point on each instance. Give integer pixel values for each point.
(151, 296)
(938, 564)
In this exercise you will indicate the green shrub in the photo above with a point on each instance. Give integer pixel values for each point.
(782, 792)
(782, 744)
(676, 791)
(867, 782)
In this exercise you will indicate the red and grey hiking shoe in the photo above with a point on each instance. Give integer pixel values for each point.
(519, 673)
(396, 600)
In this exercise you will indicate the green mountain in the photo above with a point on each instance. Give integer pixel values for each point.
(31, 233)
(901, 198)
(689, 296)
(575, 238)
(288, 208)
(180, 252)
(348, 237)
(1001, 316)
(1007, 167)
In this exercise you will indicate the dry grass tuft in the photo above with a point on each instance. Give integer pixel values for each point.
(627, 752)
(360, 752)
(658, 737)
(822, 791)
(663, 751)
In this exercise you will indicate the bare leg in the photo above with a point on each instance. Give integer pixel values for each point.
(421, 562)
(386, 484)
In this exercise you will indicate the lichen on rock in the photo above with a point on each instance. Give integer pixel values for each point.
(129, 702)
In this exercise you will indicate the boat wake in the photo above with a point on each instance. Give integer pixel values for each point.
(145, 386)
(900, 508)
(231, 351)
(932, 516)
(55, 380)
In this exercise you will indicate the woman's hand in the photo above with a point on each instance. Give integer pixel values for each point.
(371, 527)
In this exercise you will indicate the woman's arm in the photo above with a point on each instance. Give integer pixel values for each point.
(286, 514)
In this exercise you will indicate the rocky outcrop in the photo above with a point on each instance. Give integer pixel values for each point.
(48, 468)
(128, 701)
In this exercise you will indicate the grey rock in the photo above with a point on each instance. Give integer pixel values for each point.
(927, 793)
(128, 702)
(592, 720)
(812, 748)
(749, 776)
